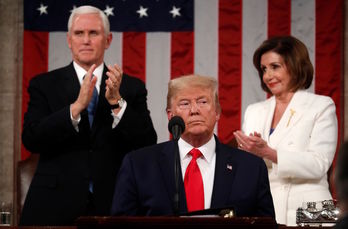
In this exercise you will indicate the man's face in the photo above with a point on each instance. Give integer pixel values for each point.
(197, 108)
(87, 40)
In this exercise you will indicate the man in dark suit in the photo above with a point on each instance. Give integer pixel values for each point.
(225, 177)
(81, 147)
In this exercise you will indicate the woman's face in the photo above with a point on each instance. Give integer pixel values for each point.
(275, 73)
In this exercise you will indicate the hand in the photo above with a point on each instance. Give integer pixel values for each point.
(255, 145)
(85, 94)
(112, 89)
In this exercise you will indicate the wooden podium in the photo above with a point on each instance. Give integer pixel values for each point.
(175, 222)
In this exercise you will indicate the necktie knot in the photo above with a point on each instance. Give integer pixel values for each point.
(195, 153)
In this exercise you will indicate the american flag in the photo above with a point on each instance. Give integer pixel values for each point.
(157, 40)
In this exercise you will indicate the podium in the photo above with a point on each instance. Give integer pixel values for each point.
(175, 222)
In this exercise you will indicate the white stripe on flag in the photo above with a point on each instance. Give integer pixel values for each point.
(303, 27)
(206, 38)
(157, 77)
(113, 54)
(59, 54)
(206, 41)
(254, 33)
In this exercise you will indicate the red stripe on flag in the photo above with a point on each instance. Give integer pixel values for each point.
(230, 65)
(279, 17)
(134, 54)
(328, 58)
(35, 61)
(182, 51)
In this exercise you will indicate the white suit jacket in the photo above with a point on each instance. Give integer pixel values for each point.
(305, 140)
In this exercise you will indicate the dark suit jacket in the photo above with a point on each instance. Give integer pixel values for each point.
(342, 223)
(69, 160)
(146, 186)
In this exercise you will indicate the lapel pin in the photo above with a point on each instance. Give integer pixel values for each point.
(292, 112)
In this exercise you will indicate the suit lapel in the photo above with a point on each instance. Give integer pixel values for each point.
(291, 116)
(225, 169)
(262, 119)
(71, 85)
(166, 164)
(268, 109)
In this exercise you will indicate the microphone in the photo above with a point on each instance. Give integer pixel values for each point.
(176, 127)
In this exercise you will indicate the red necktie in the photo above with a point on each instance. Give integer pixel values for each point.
(194, 184)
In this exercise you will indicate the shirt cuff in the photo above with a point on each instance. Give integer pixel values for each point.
(117, 117)
(75, 122)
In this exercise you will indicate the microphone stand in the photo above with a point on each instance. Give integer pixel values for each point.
(176, 176)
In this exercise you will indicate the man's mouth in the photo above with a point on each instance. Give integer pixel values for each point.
(86, 50)
(195, 122)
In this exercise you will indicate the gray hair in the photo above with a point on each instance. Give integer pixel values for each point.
(89, 10)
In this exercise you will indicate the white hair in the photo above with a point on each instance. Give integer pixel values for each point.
(89, 10)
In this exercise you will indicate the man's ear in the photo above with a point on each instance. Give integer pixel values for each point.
(170, 114)
(108, 40)
(217, 116)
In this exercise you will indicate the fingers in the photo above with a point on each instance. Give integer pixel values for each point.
(87, 87)
(89, 73)
(256, 134)
(113, 83)
(115, 76)
(247, 142)
(89, 82)
(240, 138)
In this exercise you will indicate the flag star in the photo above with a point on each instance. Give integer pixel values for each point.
(42, 9)
(175, 12)
(108, 11)
(142, 12)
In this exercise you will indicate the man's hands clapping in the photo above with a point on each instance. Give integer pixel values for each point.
(85, 94)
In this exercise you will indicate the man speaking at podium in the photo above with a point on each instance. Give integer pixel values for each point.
(210, 175)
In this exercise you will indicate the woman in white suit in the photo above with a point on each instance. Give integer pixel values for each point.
(295, 131)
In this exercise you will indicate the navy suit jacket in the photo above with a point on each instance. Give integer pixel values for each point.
(70, 160)
(146, 183)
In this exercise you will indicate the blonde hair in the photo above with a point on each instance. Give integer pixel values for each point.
(183, 82)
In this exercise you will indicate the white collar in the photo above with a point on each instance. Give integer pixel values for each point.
(208, 149)
(98, 72)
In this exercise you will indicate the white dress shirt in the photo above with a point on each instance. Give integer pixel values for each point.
(206, 165)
